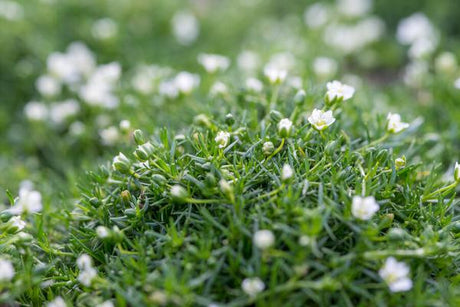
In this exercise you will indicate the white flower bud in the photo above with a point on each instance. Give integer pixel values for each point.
(222, 139)
(253, 286)
(121, 163)
(268, 148)
(284, 127)
(286, 172)
(263, 239)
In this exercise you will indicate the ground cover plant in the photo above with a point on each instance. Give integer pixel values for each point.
(305, 156)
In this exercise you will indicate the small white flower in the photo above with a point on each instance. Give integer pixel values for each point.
(457, 172)
(185, 82)
(29, 201)
(222, 139)
(48, 86)
(285, 127)
(102, 232)
(264, 239)
(286, 172)
(324, 67)
(17, 222)
(321, 120)
(395, 124)
(179, 192)
(84, 262)
(253, 286)
(36, 111)
(6, 270)
(337, 90)
(86, 276)
(457, 83)
(395, 274)
(213, 62)
(125, 125)
(57, 302)
(109, 136)
(400, 162)
(317, 15)
(354, 8)
(104, 28)
(254, 85)
(106, 304)
(186, 27)
(274, 74)
(248, 61)
(415, 27)
(218, 89)
(446, 63)
(364, 208)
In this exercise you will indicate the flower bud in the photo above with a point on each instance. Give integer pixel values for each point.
(286, 173)
(125, 196)
(178, 193)
(457, 172)
(275, 116)
(144, 151)
(121, 163)
(202, 120)
(229, 120)
(299, 97)
(226, 188)
(284, 127)
(268, 148)
(400, 162)
(138, 137)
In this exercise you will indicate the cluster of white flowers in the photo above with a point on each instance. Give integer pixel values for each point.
(213, 62)
(87, 271)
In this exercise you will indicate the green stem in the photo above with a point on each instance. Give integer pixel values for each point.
(274, 97)
(383, 138)
(277, 150)
(439, 191)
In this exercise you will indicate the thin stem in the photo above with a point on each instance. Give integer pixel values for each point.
(277, 150)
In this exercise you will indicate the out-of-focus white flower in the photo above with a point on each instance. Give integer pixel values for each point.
(104, 28)
(102, 232)
(364, 208)
(105, 304)
(395, 274)
(457, 172)
(213, 62)
(98, 90)
(457, 83)
(253, 286)
(422, 48)
(48, 86)
(186, 82)
(178, 192)
(125, 125)
(168, 89)
(446, 63)
(395, 125)
(316, 15)
(400, 162)
(263, 239)
(321, 120)
(77, 128)
(28, 201)
(17, 222)
(286, 172)
(337, 90)
(282, 61)
(285, 127)
(84, 261)
(86, 276)
(109, 136)
(324, 67)
(6, 270)
(354, 8)
(275, 75)
(11, 10)
(295, 82)
(57, 302)
(416, 27)
(186, 27)
(415, 73)
(222, 139)
(218, 89)
(248, 61)
(36, 111)
(254, 85)
(305, 240)
(60, 111)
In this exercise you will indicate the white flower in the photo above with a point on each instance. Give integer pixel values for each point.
(324, 67)
(253, 286)
(337, 90)
(28, 201)
(125, 125)
(104, 28)
(102, 232)
(457, 84)
(285, 127)
(446, 63)
(457, 172)
(395, 124)
(109, 136)
(321, 120)
(86, 276)
(354, 8)
(415, 27)
(11, 10)
(395, 274)
(286, 172)
(213, 62)
(248, 61)
(84, 262)
(364, 208)
(185, 82)
(17, 222)
(57, 302)
(186, 27)
(179, 192)
(218, 88)
(263, 239)
(60, 111)
(254, 85)
(400, 162)
(6, 270)
(77, 128)
(105, 304)
(36, 111)
(316, 15)
(274, 74)
(48, 86)
(222, 139)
